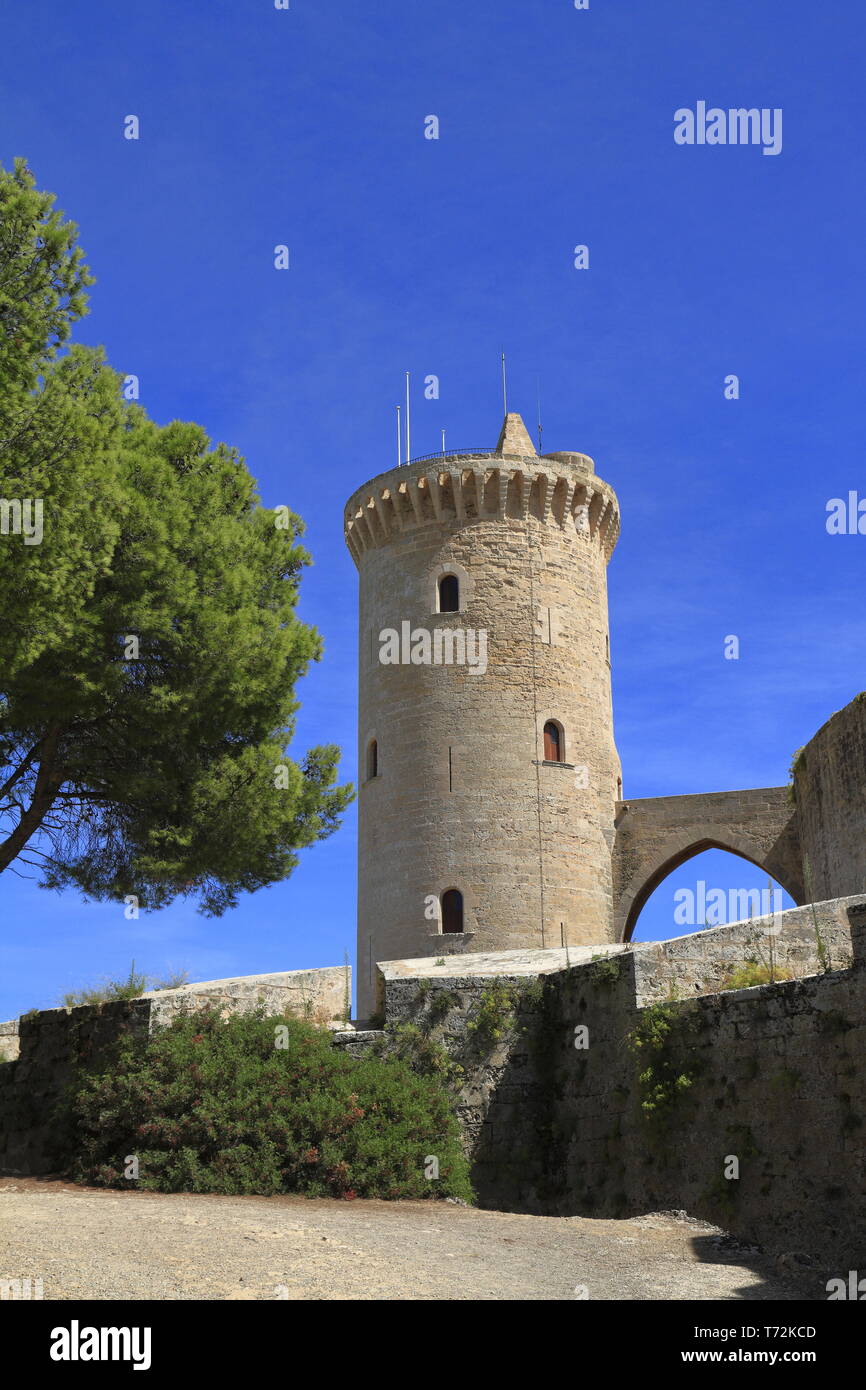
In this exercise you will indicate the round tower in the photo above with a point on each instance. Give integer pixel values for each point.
(487, 766)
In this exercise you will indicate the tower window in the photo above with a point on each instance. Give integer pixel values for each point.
(452, 910)
(552, 742)
(372, 759)
(449, 594)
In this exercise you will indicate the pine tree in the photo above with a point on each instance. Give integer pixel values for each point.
(149, 645)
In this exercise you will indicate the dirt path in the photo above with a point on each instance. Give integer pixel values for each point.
(88, 1243)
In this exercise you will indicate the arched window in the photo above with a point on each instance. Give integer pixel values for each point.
(552, 742)
(372, 759)
(449, 594)
(452, 910)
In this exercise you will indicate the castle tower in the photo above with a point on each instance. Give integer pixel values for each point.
(486, 784)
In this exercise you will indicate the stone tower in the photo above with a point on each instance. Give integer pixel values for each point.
(487, 766)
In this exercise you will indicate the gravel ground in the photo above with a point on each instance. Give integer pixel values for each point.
(89, 1243)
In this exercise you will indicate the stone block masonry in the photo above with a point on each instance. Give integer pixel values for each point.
(460, 795)
(562, 1121)
(9, 1040)
(799, 942)
(317, 994)
(33, 1137)
(830, 793)
(769, 1077)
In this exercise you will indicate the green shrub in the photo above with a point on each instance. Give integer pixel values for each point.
(798, 758)
(494, 1015)
(654, 1045)
(753, 973)
(605, 970)
(214, 1105)
(413, 1045)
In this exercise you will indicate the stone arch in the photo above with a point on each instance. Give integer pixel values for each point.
(655, 836)
(638, 894)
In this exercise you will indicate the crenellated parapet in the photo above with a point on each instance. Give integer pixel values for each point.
(559, 489)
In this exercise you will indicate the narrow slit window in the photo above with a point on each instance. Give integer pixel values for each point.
(372, 759)
(449, 594)
(552, 743)
(452, 910)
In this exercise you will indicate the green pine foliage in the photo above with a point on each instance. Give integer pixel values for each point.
(149, 648)
(42, 279)
(213, 1105)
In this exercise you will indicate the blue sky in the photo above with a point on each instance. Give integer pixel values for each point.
(306, 127)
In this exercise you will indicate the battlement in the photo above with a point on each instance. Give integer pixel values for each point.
(511, 482)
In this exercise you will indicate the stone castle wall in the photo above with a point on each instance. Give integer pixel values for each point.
(773, 1078)
(561, 1112)
(830, 792)
(53, 1042)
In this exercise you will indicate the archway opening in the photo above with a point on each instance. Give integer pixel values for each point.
(710, 888)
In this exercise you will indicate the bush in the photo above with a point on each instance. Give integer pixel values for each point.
(494, 1015)
(214, 1105)
(654, 1045)
(753, 973)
